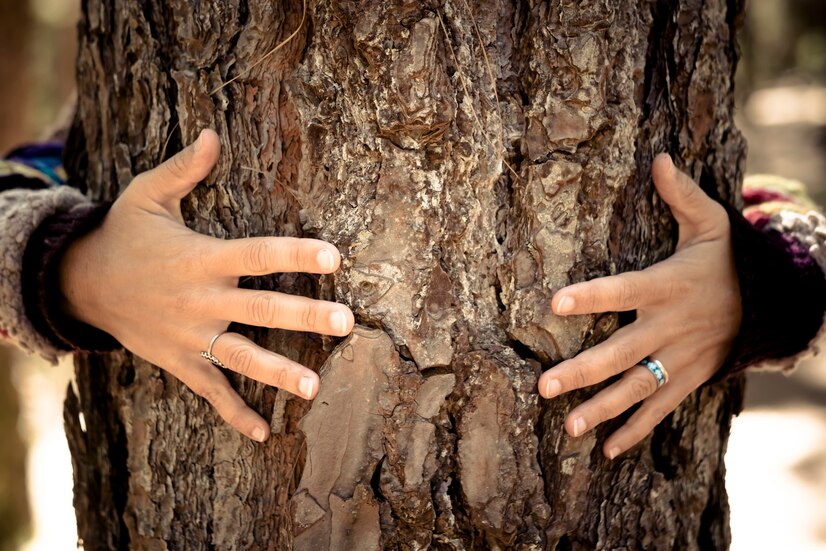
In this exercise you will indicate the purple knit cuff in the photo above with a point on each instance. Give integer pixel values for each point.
(783, 293)
(42, 298)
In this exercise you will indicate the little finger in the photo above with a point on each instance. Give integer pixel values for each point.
(650, 414)
(209, 383)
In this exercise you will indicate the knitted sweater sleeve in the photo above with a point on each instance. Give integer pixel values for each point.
(39, 218)
(779, 243)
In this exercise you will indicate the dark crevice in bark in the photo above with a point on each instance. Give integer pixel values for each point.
(375, 480)
(708, 533)
(175, 141)
(665, 449)
(526, 353)
(438, 370)
(497, 285)
(735, 17)
(659, 55)
(709, 184)
(118, 455)
(126, 376)
(77, 165)
(101, 495)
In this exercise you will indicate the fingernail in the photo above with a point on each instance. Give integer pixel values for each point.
(565, 305)
(325, 260)
(305, 387)
(579, 426)
(552, 388)
(338, 321)
(613, 452)
(259, 434)
(670, 162)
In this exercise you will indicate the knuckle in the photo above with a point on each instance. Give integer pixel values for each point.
(578, 376)
(241, 359)
(692, 192)
(624, 355)
(296, 256)
(629, 294)
(602, 412)
(680, 288)
(212, 393)
(234, 418)
(309, 317)
(256, 256)
(264, 310)
(193, 260)
(637, 429)
(280, 377)
(641, 388)
(657, 415)
(677, 330)
(178, 165)
(589, 296)
(188, 301)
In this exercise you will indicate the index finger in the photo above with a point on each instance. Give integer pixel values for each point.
(615, 293)
(254, 256)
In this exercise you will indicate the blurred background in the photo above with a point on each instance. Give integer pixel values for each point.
(777, 454)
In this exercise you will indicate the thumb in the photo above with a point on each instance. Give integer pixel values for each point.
(691, 207)
(172, 180)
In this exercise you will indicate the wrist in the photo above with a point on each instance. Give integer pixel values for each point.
(75, 271)
(58, 279)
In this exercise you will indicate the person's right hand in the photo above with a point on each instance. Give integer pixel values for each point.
(163, 291)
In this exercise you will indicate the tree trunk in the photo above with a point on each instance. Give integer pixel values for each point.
(468, 158)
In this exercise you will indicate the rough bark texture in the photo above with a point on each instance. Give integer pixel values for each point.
(468, 158)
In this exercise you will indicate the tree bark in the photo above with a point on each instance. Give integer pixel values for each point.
(468, 158)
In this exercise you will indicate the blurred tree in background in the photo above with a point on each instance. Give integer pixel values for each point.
(783, 38)
(15, 28)
(37, 50)
(781, 87)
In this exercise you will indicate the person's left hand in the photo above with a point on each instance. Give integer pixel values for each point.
(688, 313)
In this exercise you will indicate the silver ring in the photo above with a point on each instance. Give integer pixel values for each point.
(657, 369)
(207, 354)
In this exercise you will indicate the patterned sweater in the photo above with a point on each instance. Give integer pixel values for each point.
(778, 245)
(39, 218)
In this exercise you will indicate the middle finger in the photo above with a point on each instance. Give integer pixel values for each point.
(636, 384)
(621, 351)
(282, 311)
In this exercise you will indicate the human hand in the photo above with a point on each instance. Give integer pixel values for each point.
(688, 313)
(164, 290)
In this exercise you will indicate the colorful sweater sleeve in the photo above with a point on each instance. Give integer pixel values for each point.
(39, 217)
(779, 243)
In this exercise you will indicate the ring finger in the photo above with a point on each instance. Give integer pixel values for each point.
(247, 358)
(636, 384)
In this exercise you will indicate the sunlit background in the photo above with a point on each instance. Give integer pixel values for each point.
(777, 454)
